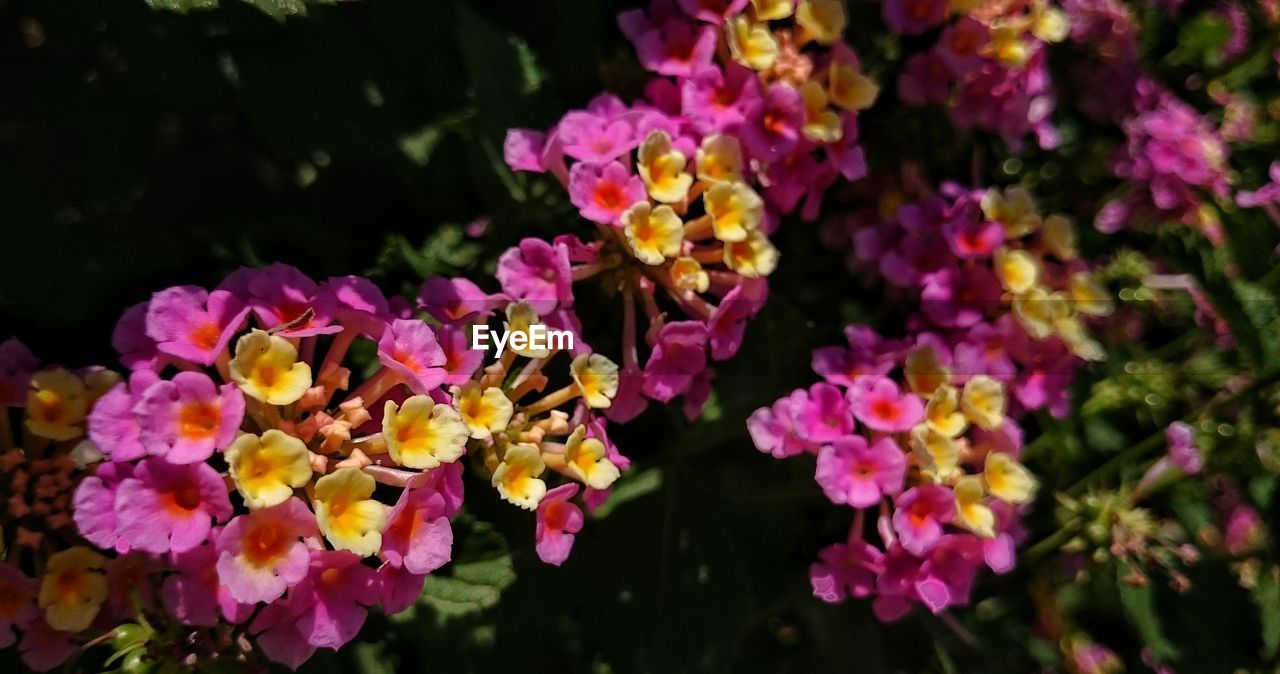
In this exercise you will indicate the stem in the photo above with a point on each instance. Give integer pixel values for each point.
(552, 401)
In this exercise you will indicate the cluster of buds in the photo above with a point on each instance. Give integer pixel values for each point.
(936, 462)
(1112, 530)
(988, 66)
(1002, 286)
(52, 585)
(752, 111)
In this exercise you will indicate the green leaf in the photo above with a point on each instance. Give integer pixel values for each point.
(633, 487)
(1201, 40)
(1140, 607)
(480, 571)
(182, 6)
(1266, 594)
(277, 9)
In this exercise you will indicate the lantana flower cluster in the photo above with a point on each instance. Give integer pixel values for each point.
(920, 430)
(239, 477)
(53, 585)
(927, 451)
(751, 114)
(989, 63)
(1000, 286)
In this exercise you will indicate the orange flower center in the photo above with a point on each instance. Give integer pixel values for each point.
(198, 420)
(206, 335)
(265, 542)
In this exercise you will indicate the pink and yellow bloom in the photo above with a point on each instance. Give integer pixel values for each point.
(558, 520)
(187, 418)
(263, 553)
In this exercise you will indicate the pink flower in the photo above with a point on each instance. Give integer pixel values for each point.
(728, 323)
(165, 507)
(676, 47)
(193, 594)
(957, 298)
(820, 414)
(113, 427)
(43, 647)
(961, 44)
(537, 272)
(458, 300)
(409, 348)
(911, 17)
(94, 505)
(849, 471)
(924, 79)
(522, 150)
(603, 193)
(629, 402)
(398, 589)
(283, 295)
(846, 571)
(279, 635)
(263, 553)
(329, 603)
(357, 303)
(17, 364)
(773, 123)
(590, 138)
(188, 323)
(558, 521)
(19, 608)
(772, 431)
(879, 404)
(679, 354)
(129, 339)
(919, 514)
(460, 360)
(973, 238)
(186, 419)
(712, 11)
(714, 100)
(418, 536)
(1182, 448)
(954, 563)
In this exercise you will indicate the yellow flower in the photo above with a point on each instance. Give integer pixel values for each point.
(661, 166)
(73, 589)
(1059, 237)
(267, 469)
(942, 413)
(266, 368)
(655, 234)
(983, 401)
(422, 434)
(822, 124)
(971, 512)
(925, 371)
(850, 89)
(1072, 331)
(596, 378)
(1049, 24)
(1035, 311)
(56, 405)
(772, 10)
(754, 257)
(587, 460)
(520, 316)
(485, 412)
(937, 454)
(687, 274)
(1018, 270)
(1007, 480)
(719, 159)
(822, 20)
(1088, 297)
(516, 477)
(1015, 209)
(347, 516)
(735, 210)
(1007, 45)
(750, 44)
